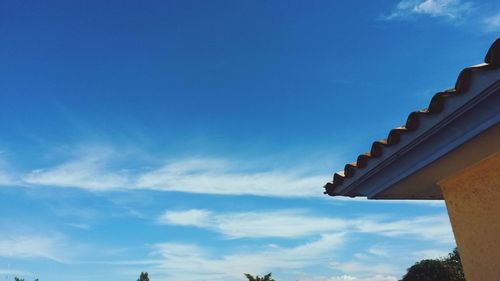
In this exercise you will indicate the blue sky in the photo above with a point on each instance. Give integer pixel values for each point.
(191, 139)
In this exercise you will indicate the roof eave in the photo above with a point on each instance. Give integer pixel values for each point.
(471, 109)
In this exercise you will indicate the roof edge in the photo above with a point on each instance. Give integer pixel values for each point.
(436, 105)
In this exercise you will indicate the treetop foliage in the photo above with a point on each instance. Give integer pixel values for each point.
(143, 277)
(22, 279)
(447, 269)
(266, 277)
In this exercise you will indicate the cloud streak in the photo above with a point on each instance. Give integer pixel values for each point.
(283, 223)
(200, 175)
(5, 178)
(299, 223)
(190, 262)
(364, 269)
(52, 247)
(492, 22)
(449, 9)
(106, 170)
(217, 176)
(87, 173)
(353, 278)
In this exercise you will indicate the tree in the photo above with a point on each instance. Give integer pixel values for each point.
(428, 270)
(447, 269)
(266, 277)
(454, 264)
(143, 277)
(22, 279)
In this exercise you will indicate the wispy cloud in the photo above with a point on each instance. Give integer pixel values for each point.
(353, 278)
(95, 172)
(284, 223)
(79, 226)
(492, 22)
(190, 262)
(436, 228)
(300, 223)
(100, 169)
(378, 251)
(89, 172)
(430, 254)
(218, 176)
(16, 272)
(105, 169)
(53, 247)
(193, 217)
(358, 268)
(5, 178)
(484, 16)
(450, 9)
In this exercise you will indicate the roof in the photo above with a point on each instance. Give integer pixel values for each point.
(425, 124)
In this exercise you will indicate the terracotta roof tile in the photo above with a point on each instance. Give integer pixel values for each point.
(436, 105)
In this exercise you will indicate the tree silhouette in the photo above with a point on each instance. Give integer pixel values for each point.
(454, 264)
(22, 279)
(428, 270)
(447, 269)
(266, 277)
(143, 277)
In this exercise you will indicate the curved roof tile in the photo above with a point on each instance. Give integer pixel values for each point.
(436, 105)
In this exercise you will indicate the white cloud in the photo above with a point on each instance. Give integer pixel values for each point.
(365, 268)
(217, 176)
(493, 22)
(436, 228)
(5, 178)
(204, 175)
(375, 263)
(353, 278)
(451, 9)
(35, 246)
(103, 169)
(194, 217)
(79, 226)
(190, 262)
(430, 254)
(378, 251)
(299, 223)
(88, 173)
(16, 272)
(284, 224)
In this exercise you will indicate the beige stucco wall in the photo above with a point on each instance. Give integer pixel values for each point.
(472, 197)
